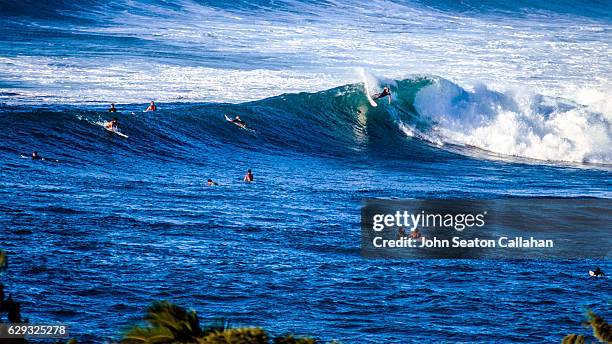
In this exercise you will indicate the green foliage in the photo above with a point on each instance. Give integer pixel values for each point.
(167, 323)
(236, 336)
(573, 339)
(217, 325)
(148, 335)
(601, 329)
(3, 260)
(8, 306)
(289, 339)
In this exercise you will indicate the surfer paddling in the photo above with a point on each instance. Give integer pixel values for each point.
(386, 92)
(237, 120)
(112, 108)
(596, 273)
(152, 107)
(35, 156)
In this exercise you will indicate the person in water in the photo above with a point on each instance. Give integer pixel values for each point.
(35, 156)
(112, 108)
(598, 272)
(212, 183)
(385, 93)
(248, 177)
(238, 120)
(401, 232)
(112, 125)
(151, 107)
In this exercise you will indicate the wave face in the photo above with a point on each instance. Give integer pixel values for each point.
(335, 123)
(426, 117)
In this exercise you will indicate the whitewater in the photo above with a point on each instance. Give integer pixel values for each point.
(139, 50)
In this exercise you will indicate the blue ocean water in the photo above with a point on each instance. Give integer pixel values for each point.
(489, 100)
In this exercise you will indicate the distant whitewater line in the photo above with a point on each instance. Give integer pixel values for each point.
(133, 51)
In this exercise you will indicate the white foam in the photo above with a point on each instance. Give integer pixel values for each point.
(516, 123)
(65, 80)
(197, 52)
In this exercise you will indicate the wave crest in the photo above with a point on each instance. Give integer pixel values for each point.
(516, 123)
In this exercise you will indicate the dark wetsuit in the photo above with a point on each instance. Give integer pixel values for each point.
(384, 93)
(112, 109)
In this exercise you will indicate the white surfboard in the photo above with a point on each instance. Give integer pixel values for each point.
(366, 90)
(116, 131)
(41, 159)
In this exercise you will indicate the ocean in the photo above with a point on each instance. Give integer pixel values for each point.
(490, 100)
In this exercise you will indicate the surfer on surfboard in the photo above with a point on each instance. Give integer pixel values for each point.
(596, 273)
(35, 156)
(239, 121)
(386, 92)
(112, 125)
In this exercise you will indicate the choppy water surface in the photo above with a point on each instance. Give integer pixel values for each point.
(119, 223)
